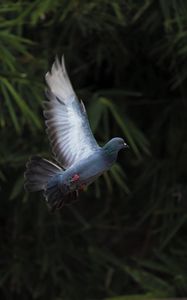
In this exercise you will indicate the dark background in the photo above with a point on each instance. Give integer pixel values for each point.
(127, 61)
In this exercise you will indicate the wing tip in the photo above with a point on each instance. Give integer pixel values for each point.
(57, 77)
(58, 64)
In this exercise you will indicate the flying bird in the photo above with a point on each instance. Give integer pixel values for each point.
(79, 159)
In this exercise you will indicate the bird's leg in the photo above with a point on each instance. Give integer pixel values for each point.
(82, 187)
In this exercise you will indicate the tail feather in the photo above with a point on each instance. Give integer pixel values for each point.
(57, 197)
(38, 172)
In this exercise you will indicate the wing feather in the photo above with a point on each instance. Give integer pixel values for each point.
(66, 120)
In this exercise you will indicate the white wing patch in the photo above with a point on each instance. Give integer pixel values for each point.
(66, 119)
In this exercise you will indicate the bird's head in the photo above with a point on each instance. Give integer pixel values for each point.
(115, 145)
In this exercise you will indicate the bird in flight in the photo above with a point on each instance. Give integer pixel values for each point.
(79, 159)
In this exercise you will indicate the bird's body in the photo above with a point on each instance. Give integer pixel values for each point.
(81, 160)
(87, 170)
(78, 177)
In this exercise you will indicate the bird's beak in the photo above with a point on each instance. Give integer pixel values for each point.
(126, 146)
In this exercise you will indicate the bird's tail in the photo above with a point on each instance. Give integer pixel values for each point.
(58, 197)
(38, 172)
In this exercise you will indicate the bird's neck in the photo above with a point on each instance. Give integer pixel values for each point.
(111, 155)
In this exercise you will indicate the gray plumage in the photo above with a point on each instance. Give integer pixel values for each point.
(80, 158)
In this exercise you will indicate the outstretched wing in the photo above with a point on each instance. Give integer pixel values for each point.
(66, 119)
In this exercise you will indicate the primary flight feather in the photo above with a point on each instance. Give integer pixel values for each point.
(81, 160)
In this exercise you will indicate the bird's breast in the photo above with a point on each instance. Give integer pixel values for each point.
(90, 168)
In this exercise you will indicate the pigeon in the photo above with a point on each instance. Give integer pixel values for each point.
(79, 160)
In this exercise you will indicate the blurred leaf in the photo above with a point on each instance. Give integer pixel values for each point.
(95, 112)
(17, 188)
(21, 103)
(126, 128)
(119, 176)
(134, 297)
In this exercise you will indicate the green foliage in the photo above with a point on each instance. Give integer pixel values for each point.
(126, 238)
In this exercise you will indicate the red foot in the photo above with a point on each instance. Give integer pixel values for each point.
(75, 178)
